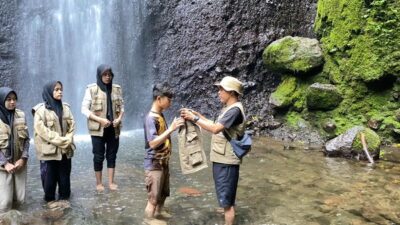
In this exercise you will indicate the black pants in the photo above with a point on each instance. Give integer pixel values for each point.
(106, 145)
(55, 172)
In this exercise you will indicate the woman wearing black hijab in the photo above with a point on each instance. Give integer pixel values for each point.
(103, 106)
(14, 147)
(54, 129)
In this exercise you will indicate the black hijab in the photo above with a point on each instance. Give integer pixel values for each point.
(7, 116)
(50, 102)
(107, 88)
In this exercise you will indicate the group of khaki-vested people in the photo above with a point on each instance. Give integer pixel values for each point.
(103, 105)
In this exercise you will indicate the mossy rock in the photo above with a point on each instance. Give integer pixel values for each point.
(283, 96)
(373, 141)
(322, 96)
(295, 54)
(359, 39)
(397, 115)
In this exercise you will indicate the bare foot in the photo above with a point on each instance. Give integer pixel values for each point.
(163, 214)
(153, 221)
(113, 187)
(52, 204)
(100, 187)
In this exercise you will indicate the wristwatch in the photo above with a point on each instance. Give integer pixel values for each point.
(195, 119)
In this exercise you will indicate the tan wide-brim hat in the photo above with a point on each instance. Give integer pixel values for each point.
(229, 83)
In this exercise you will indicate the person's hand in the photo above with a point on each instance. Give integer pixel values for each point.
(177, 123)
(10, 168)
(188, 114)
(116, 122)
(20, 163)
(104, 122)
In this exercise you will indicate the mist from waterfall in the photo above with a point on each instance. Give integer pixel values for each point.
(66, 40)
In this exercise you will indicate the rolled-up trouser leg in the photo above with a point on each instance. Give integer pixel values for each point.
(112, 143)
(98, 144)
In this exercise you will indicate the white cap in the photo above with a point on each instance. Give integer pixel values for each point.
(229, 83)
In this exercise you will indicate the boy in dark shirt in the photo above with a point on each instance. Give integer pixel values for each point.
(158, 150)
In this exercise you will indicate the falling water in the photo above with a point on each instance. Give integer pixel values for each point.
(67, 39)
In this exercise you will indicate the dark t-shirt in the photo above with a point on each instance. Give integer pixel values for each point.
(232, 117)
(155, 125)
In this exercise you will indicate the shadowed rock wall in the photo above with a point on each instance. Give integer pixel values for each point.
(195, 43)
(8, 57)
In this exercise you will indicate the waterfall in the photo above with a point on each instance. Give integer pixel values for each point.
(67, 39)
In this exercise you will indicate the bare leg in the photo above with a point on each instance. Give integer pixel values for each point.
(99, 181)
(113, 186)
(229, 215)
(150, 210)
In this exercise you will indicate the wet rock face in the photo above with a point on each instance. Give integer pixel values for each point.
(196, 43)
(8, 59)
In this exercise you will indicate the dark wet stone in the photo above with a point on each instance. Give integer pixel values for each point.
(274, 125)
(329, 126)
(374, 124)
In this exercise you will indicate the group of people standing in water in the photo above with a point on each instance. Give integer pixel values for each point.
(103, 105)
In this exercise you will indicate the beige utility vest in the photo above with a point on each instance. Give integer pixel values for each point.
(191, 153)
(221, 149)
(48, 133)
(98, 106)
(20, 135)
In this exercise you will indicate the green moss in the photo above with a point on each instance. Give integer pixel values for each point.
(283, 96)
(361, 45)
(372, 139)
(294, 120)
(359, 40)
(322, 96)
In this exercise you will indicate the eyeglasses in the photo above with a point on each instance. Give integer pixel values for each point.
(107, 74)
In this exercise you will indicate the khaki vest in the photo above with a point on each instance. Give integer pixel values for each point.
(191, 153)
(20, 135)
(221, 149)
(98, 106)
(48, 134)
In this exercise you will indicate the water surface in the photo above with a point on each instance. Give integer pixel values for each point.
(276, 186)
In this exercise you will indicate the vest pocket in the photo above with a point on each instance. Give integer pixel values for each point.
(48, 149)
(93, 125)
(96, 106)
(3, 140)
(49, 123)
(22, 132)
(195, 157)
(192, 144)
(219, 145)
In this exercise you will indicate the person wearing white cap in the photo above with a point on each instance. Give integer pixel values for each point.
(231, 122)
